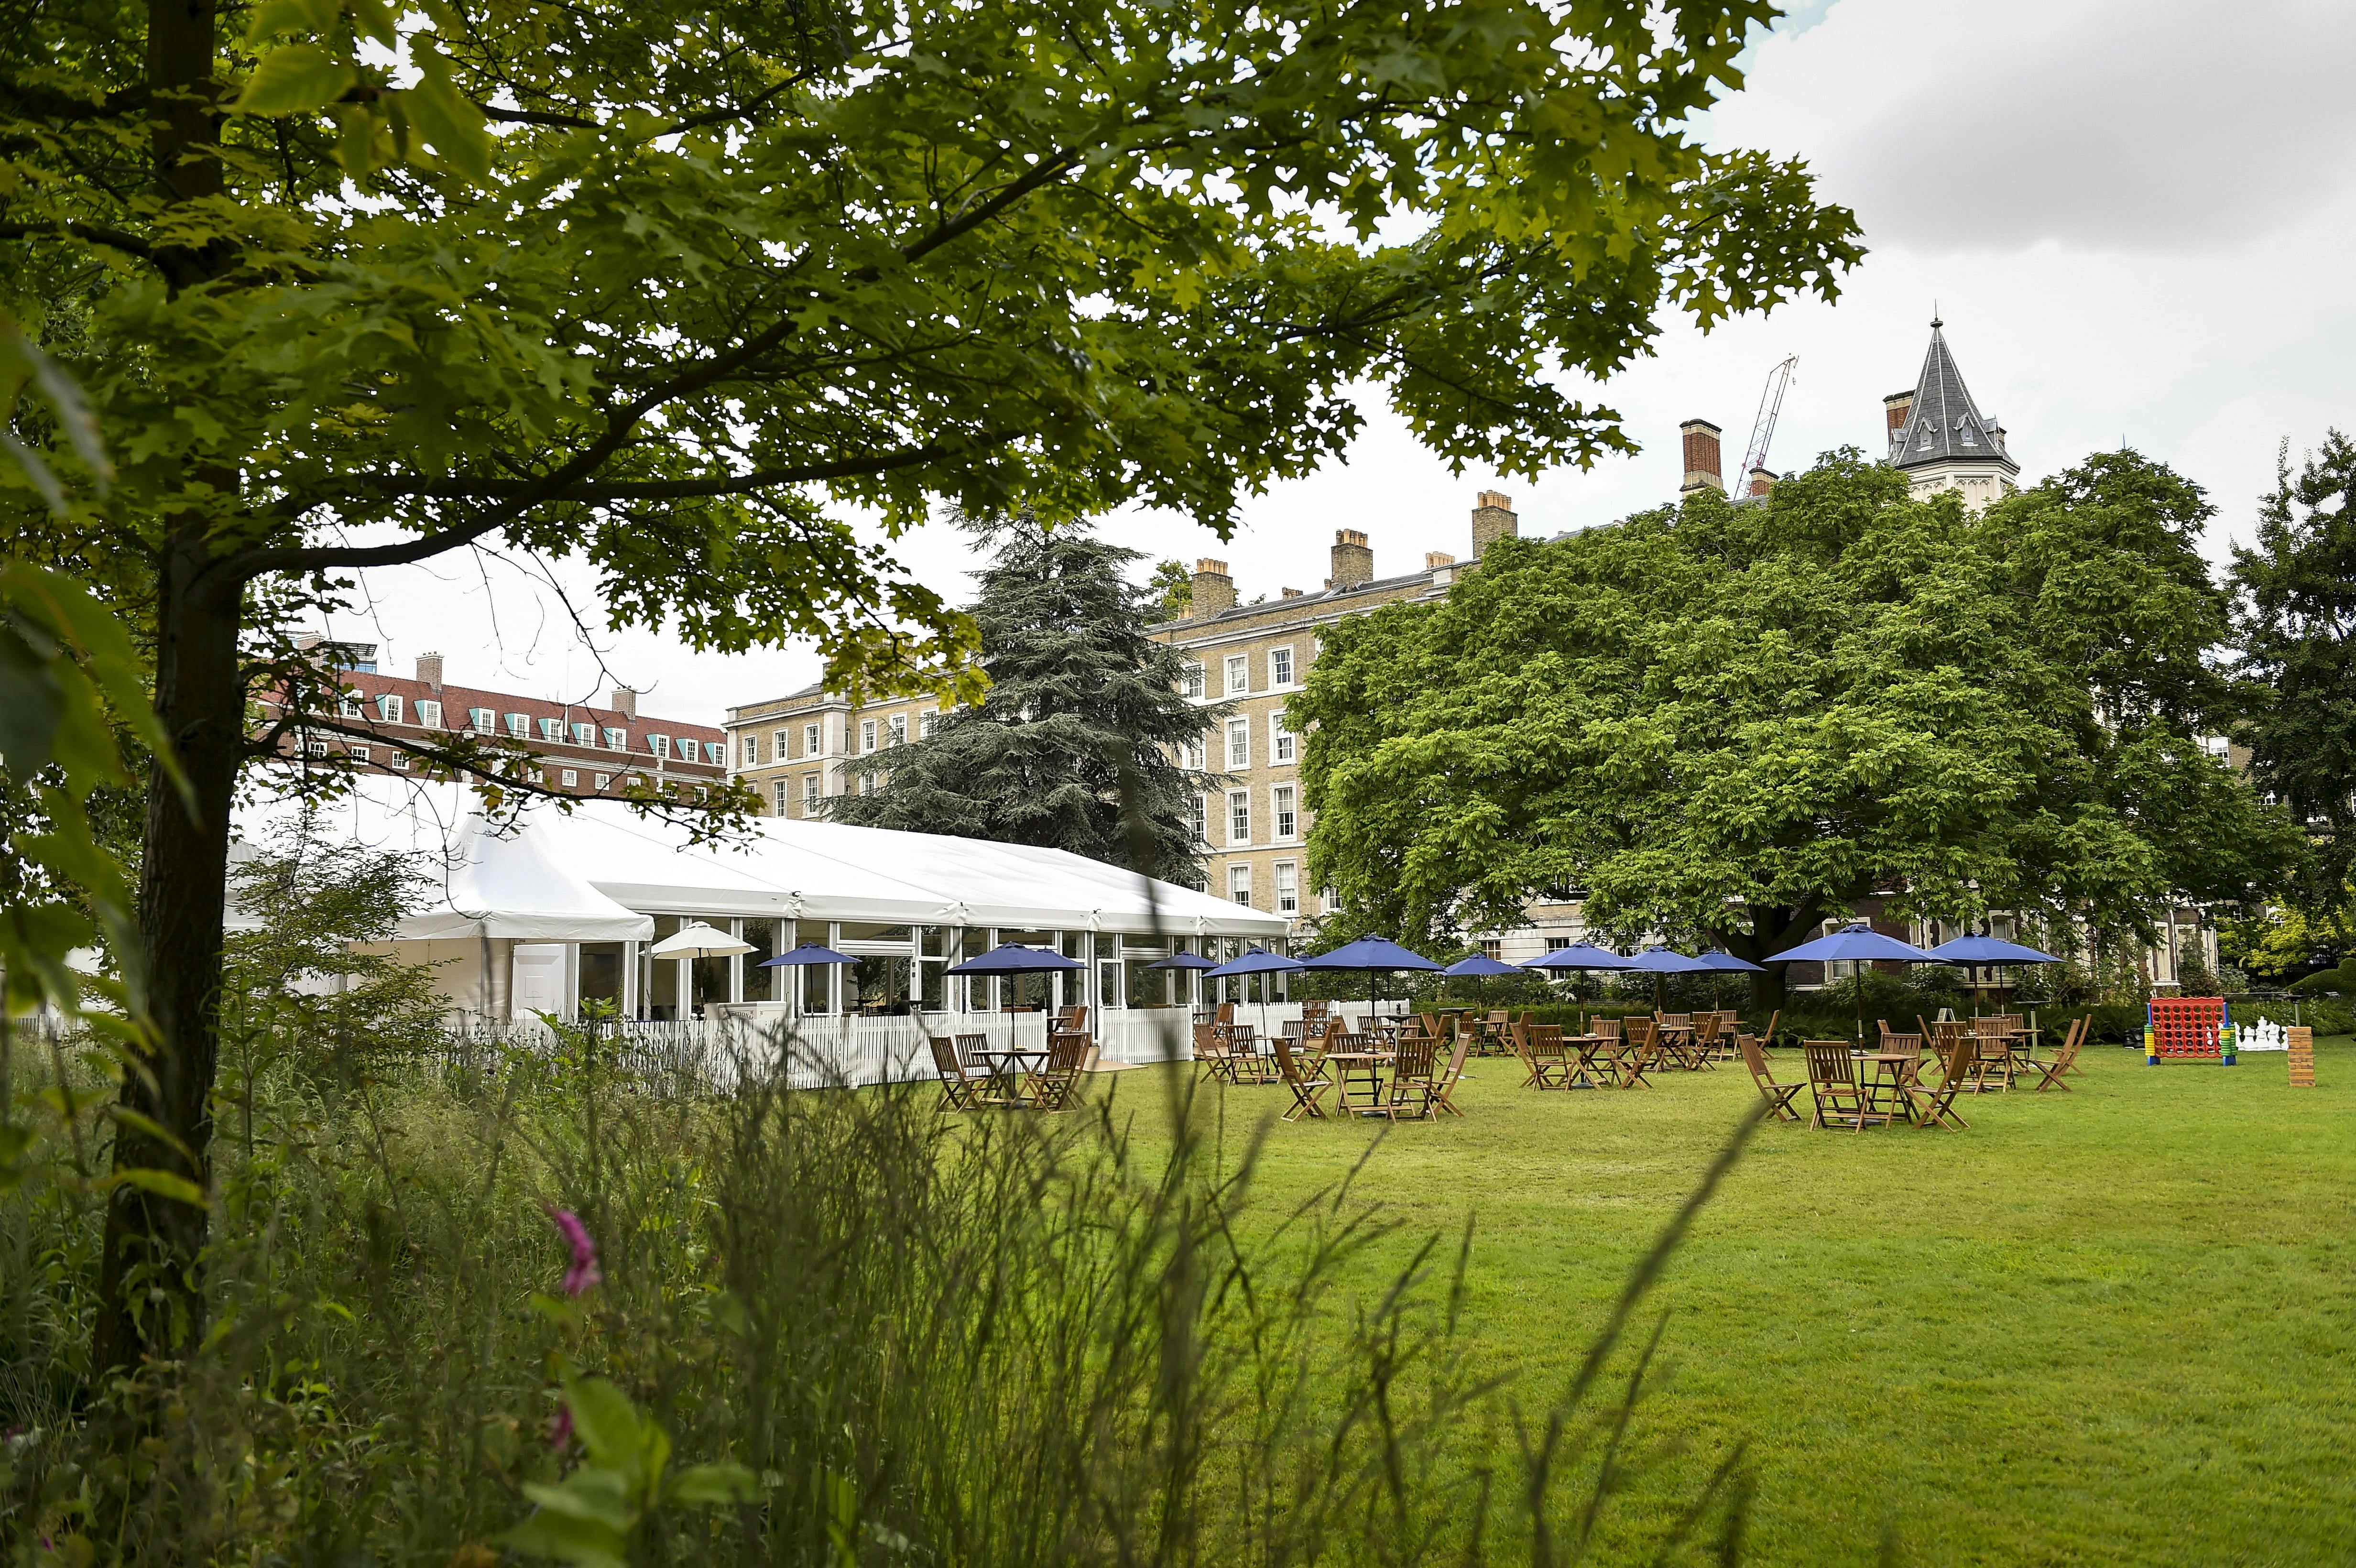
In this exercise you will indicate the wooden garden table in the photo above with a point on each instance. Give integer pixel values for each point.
(1360, 1067)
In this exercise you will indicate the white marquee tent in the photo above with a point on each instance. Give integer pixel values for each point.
(512, 907)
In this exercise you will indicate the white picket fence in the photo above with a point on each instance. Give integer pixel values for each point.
(716, 1051)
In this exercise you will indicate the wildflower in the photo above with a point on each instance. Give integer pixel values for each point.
(583, 1271)
(560, 1427)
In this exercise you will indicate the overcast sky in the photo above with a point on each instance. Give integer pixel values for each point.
(2134, 216)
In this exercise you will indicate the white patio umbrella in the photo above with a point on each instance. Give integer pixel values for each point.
(699, 941)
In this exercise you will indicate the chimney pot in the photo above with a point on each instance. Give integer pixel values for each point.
(1290, 592)
(429, 670)
(626, 702)
(1353, 560)
(1215, 591)
(1433, 560)
(1493, 520)
(1703, 470)
(1761, 481)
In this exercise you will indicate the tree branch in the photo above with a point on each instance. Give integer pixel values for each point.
(593, 494)
(97, 234)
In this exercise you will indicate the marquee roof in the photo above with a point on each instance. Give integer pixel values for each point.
(597, 873)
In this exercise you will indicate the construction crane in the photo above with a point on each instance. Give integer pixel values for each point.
(1771, 403)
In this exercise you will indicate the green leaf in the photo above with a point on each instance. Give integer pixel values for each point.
(272, 18)
(602, 1415)
(591, 1493)
(569, 1539)
(451, 124)
(296, 79)
(374, 18)
(162, 1183)
(713, 1484)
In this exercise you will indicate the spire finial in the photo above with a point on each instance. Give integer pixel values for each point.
(1936, 322)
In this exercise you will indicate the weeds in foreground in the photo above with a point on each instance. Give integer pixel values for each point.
(874, 1334)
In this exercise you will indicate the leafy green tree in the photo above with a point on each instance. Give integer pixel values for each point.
(1173, 588)
(1734, 722)
(353, 286)
(1083, 723)
(2297, 619)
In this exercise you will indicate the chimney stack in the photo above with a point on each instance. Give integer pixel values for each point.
(1895, 407)
(1215, 591)
(429, 670)
(626, 702)
(1702, 464)
(1761, 481)
(1288, 592)
(1433, 560)
(1353, 561)
(1493, 520)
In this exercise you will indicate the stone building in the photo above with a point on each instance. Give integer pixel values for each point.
(791, 749)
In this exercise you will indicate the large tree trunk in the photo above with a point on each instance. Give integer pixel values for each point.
(1773, 929)
(150, 1298)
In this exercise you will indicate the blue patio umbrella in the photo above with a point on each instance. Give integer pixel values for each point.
(1184, 961)
(1255, 960)
(1373, 955)
(1660, 963)
(1719, 961)
(808, 952)
(1978, 950)
(1579, 955)
(1014, 958)
(1478, 969)
(1857, 942)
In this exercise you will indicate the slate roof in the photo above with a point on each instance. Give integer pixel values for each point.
(1944, 425)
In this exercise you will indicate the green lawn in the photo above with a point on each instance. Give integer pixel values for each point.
(2114, 1325)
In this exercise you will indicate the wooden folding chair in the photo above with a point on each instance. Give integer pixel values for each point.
(1537, 1073)
(1640, 1053)
(1705, 1028)
(1493, 1033)
(1777, 1095)
(1050, 1086)
(1453, 1074)
(2055, 1068)
(1936, 1107)
(1211, 1051)
(1306, 1086)
(1832, 1082)
(1411, 1076)
(959, 1091)
(1993, 1043)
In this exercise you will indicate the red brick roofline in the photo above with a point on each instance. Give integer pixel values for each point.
(456, 699)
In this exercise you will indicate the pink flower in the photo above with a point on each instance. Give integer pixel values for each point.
(560, 1427)
(583, 1271)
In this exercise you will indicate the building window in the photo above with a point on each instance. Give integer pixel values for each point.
(617, 740)
(1202, 819)
(1328, 900)
(1282, 747)
(899, 730)
(1493, 949)
(867, 734)
(604, 781)
(572, 778)
(867, 784)
(429, 713)
(520, 726)
(1288, 888)
(1239, 675)
(397, 761)
(810, 741)
(784, 794)
(1281, 803)
(809, 794)
(551, 728)
(1239, 883)
(1196, 755)
(1239, 816)
(481, 720)
(1279, 666)
(316, 747)
(777, 745)
(347, 707)
(713, 753)
(927, 724)
(356, 753)
(637, 780)
(752, 751)
(1190, 682)
(388, 708)
(1239, 743)
(658, 744)
(584, 734)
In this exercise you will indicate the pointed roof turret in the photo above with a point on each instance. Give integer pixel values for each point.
(1943, 425)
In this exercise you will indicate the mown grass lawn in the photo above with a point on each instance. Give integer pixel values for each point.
(2114, 1325)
